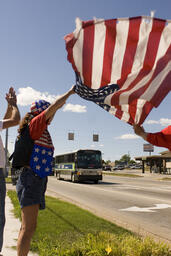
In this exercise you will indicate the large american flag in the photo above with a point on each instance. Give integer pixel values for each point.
(123, 65)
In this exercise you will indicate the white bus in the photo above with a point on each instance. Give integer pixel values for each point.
(80, 165)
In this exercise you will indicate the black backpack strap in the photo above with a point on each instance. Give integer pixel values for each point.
(11, 157)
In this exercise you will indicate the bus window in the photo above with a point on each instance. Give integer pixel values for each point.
(70, 158)
(89, 160)
(59, 159)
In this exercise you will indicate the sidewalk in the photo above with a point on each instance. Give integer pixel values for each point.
(11, 231)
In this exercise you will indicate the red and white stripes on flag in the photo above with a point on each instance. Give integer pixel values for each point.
(134, 53)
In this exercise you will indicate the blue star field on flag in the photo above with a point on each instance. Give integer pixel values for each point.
(96, 95)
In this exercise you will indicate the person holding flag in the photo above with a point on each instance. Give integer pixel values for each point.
(160, 139)
(32, 157)
(11, 118)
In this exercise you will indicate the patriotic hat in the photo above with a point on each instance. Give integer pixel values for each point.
(38, 106)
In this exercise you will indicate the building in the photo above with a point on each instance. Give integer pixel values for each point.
(156, 163)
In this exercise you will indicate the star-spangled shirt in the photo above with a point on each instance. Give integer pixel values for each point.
(42, 155)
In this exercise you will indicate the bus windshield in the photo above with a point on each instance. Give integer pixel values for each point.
(89, 159)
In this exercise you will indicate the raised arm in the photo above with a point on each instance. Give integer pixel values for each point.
(12, 115)
(8, 112)
(51, 110)
(160, 139)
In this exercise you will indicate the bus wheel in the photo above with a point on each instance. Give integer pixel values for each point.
(73, 178)
(58, 176)
(96, 182)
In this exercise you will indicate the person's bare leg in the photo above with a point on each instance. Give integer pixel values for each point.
(29, 220)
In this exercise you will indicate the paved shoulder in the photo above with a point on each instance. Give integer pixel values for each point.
(12, 227)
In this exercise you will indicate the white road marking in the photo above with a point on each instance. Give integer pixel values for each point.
(146, 209)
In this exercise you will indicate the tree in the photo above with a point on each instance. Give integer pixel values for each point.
(125, 158)
(103, 162)
(117, 162)
(108, 162)
(132, 162)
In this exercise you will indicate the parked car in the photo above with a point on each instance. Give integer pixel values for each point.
(139, 166)
(118, 167)
(107, 168)
(136, 167)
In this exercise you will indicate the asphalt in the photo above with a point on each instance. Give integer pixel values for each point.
(12, 228)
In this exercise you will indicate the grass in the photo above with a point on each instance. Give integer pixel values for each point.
(168, 179)
(66, 230)
(123, 175)
(8, 180)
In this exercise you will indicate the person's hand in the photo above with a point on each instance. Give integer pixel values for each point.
(72, 90)
(11, 97)
(139, 130)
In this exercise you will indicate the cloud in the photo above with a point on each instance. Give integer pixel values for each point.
(151, 122)
(162, 121)
(127, 137)
(27, 95)
(74, 108)
(93, 145)
(165, 121)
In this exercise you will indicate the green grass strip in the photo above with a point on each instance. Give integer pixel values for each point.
(168, 179)
(123, 175)
(8, 180)
(64, 229)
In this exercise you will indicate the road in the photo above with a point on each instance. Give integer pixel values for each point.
(140, 204)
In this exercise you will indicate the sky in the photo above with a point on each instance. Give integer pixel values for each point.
(34, 61)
